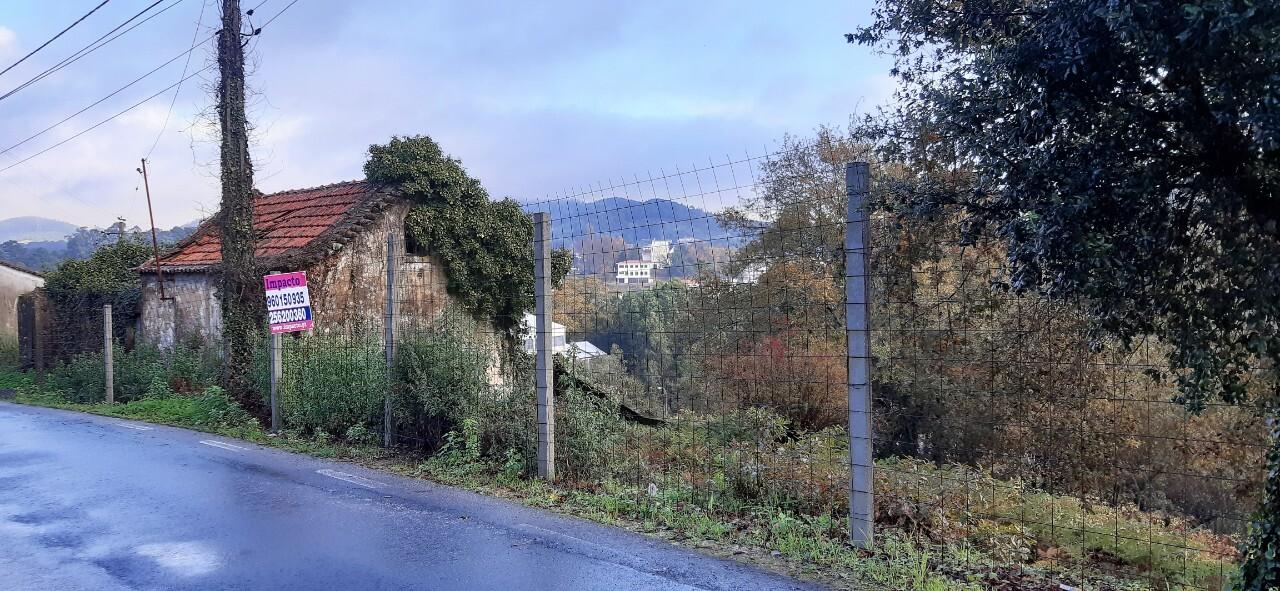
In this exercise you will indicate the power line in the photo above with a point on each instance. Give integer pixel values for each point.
(139, 103)
(277, 15)
(93, 46)
(185, 67)
(54, 38)
(113, 93)
(104, 121)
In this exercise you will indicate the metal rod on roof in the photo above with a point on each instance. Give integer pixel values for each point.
(155, 244)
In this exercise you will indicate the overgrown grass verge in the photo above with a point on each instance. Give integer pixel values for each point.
(939, 528)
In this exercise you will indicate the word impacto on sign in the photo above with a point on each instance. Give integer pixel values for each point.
(288, 302)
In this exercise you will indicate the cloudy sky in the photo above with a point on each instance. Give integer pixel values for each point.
(534, 97)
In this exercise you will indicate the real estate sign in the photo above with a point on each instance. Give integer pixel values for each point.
(288, 302)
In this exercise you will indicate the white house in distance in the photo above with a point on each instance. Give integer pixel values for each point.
(581, 350)
(634, 271)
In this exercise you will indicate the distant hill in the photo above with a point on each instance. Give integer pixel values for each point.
(35, 229)
(79, 243)
(636, 222)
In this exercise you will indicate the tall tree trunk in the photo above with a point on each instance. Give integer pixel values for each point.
(241, 290)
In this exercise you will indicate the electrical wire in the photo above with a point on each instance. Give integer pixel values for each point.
(93, 46)
(54, 38)
(104, 121)
(113, 93)
(176, 91)
(277, 15)
(139, 103)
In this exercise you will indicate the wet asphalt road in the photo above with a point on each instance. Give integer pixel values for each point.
(90, 502)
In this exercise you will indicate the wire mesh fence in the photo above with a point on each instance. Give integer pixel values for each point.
(712, 302)
(701, 340)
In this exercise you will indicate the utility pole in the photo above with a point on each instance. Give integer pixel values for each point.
(117, 229)
(155, 244)
(241, 295)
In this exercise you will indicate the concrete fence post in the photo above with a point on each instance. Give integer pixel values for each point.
(544, 368)
(389, 319)
(858, 335)
(108, 366)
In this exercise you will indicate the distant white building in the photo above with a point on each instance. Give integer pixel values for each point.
(584, 350)
(634, 271)
(581, 350)
(528, 331)
(657, 252)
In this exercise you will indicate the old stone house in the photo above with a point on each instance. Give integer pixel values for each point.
(338, 234)
(15, 281)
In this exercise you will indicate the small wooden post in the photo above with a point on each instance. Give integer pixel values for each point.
(544, 369)
(107, 365)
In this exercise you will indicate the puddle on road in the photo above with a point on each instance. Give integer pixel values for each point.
(188, 559)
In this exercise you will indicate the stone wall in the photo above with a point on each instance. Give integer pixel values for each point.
(348, 290)
(191, 310)
(13, 283)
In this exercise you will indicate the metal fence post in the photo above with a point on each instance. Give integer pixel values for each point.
(108, 366)
(275, 346)
(858, 335)
(277, 370)
(389, 340)
(544, 368)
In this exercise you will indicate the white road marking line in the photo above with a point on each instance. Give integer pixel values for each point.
(352, 478)
(134, 427)
(223, 445)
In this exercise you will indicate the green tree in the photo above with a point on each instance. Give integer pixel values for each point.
(1128, 155)
(484, 245)
(651, 327)
(78, 289)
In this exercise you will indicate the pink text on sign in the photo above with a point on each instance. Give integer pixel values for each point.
(284, 280)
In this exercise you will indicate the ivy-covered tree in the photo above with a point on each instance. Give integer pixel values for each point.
(485, 246)
(1128, 155)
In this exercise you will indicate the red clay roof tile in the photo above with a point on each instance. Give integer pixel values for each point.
(284, 221)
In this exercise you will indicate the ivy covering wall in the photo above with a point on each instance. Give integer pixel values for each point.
(484, 245)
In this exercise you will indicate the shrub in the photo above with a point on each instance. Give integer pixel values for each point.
(144, 372)
(137, 370)
(332, 383)
(590, 438)
(210, 410)
(460, 455)
(9, 352)
(193, 366)
(507, 424)
(441, 374)
(80, 379)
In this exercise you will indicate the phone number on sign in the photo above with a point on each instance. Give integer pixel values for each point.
(295, 298)
(290, 315)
